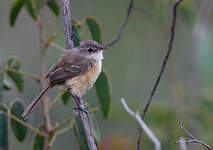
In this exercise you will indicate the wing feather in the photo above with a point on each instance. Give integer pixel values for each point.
(69, 66)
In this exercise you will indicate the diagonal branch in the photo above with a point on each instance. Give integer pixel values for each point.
(170, 46)
(142, 124)
(23, 123)
(192, 139)
(128, 12)
(69, 44)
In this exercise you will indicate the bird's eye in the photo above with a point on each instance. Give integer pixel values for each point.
(90, 50)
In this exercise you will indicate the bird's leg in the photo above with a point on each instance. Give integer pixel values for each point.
(79, 106)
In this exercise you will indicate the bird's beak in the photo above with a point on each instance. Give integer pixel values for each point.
(103, 47)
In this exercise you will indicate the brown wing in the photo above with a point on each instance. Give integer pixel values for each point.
(69, 66)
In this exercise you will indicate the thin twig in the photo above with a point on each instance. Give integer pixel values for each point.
(23, 73)
(170, 46)
(188, 134)
(72, 117)
(142, 124)
(52, 37)
(193, 139)
(56, 99)
(64, 130)
(23, 123)
(57, 46)
(128, 12)
(65, 122)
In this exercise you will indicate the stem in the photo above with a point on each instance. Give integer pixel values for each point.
(23, 123)
(192, 139)
(71, 118)
(65, 122)
(62, 131)
(56, 99)
(41, 25)
(162, 69)
(7, 68)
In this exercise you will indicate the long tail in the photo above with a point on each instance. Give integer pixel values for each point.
(34, 103)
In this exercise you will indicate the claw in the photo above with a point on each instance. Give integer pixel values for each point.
(82, 108)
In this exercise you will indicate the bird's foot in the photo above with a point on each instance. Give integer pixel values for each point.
(82, 108)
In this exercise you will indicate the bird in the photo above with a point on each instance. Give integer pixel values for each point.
(77, 70)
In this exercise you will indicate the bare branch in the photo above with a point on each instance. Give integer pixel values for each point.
(69, 45)
(170, 46)
(128, 12)
(136, 115)
(41, 25)
(193, 139)
(187, 132)
(85, 123)
(67, 23)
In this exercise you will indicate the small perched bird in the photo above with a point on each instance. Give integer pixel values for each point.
(77, 71)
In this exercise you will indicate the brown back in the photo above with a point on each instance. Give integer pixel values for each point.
(70, 65)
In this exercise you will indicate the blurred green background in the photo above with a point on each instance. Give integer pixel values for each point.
(185, 92)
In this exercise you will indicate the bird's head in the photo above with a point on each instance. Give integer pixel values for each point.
(91, 49)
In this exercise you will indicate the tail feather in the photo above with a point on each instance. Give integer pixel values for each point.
(34, 103)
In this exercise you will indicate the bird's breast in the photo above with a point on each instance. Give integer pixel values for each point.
(80, 84)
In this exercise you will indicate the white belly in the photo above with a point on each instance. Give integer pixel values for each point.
(81, 84)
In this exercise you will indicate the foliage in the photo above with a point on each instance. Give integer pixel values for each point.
(12, 68)
(19, 130)
(15, 64)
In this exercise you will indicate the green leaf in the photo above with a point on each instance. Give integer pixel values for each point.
(53, 5)
(30, 9)
(3, 131)
(103, 90)
(81, 134)
(15, 10)
(39, 140)
(18, 129)
(94, 28)
(76, 36)
(95, 127)
(14, 63)
(65, 97)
